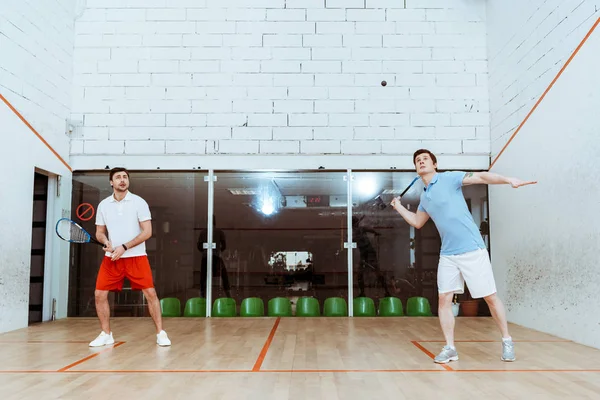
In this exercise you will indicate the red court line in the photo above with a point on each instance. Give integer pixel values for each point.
(430, 354)
(546, 91)
(18, 114)
(265, 349)
(496, 341)
(42, 341)
(117, 344)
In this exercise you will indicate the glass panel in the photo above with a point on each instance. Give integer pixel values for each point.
(280, 235)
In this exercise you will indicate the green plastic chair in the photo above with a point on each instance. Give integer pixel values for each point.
(279, 307)
(308, 307)
(418, 307)
(252, 307)
(195, 307)
(364, 307)
(170, 307)
(224, 307)
(390, 307)
(335, 307)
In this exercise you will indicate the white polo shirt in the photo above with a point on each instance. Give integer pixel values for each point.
(122, 220)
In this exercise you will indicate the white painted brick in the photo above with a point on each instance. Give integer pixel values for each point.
(323, 15)
(462, 79)
(358, 67)
(76, 146)
(413, 80)
(372, 133)
(471, 119)
(166, 14)
(325, 28)
(400, 146)
(246, 14)
(462, 40)
(117, 66)
(207, 14)
(221, 80)
(286, 15)
(414, 28)
(204, 40)
(348, 93)
(403, 66)
(389, 120)
(192, 120)
(459, 106)
(401, 41)
(209, 66)
(171, 80)
(307, 120)
(130, 106)
(443, 66)
(384, 4)
(275, 40)
(250, 40)
(350, 119)
(91, 15)
(307, 93)
(443, 146)
(304, 4)
(175, 40)
(283, 133)
(215, 53)
(322, 40)
(167, 53)
(226, 119)
(91, 133)
(414, 106)
(333, 133)
(158, 66)
(293, 106)
(430, 119)
(321, 67)
(218, 93)
(238, 146)
(121, 40)
(375, 106)
(331, 53)
(375, 28)
(252, 106)
(103, 120)
(333, 106)
(105, 93)
(345, 3)
(241, 66)
(446, 15)
(420, 132)
(476, 66)
(473, 28)
(185, 147)
(291, 54)
(333, 80)
(123, 14)
(275, 27)
(213, 27)
(270, 120)
(175, 27)
(365, 15)
(262, 93)
(104, 147)
(280, 66)
(455, 132)
(145, 147)
(171, 106)
(362, 40)
(361, 147)
(211, 133)
(404, 14)
(391, 93)
(320, 147)
(250, 53)
(280, 147)
(212, 106)
(144, 120)
(254, 133)
(476, 146)
(298, 80)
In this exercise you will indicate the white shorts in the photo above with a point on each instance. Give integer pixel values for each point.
(473, 267)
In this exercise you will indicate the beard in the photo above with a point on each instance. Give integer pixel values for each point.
(121, 188)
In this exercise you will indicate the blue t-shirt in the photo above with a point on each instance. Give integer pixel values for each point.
(443, 200)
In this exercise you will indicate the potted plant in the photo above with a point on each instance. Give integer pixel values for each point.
(469, 306)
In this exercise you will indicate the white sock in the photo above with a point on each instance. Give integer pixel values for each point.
(508, 339)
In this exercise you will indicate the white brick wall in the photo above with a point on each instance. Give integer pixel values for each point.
(36, 63)
(543, 35)
(281, 77)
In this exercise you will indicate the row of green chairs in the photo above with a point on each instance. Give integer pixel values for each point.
(306, 307)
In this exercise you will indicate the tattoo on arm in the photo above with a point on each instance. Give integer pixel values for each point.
(469, 174)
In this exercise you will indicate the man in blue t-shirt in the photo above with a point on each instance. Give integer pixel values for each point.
(463, 256)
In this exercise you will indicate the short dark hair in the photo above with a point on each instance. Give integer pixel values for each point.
(423, 151)
(115, 170)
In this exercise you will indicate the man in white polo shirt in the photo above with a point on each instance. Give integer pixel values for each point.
(463, 256)
(123, 224)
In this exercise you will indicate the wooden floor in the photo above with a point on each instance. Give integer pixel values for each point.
(291, 358)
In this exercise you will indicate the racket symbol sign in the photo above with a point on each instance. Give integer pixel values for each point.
(85, 211)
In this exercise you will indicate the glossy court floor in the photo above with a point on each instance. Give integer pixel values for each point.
(291, 358)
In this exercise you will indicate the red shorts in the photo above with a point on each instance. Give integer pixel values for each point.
(113, 273)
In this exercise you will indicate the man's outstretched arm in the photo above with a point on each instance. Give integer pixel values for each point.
(490, 178)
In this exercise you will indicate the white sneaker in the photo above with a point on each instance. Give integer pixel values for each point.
(102, 340)
(162, 339)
